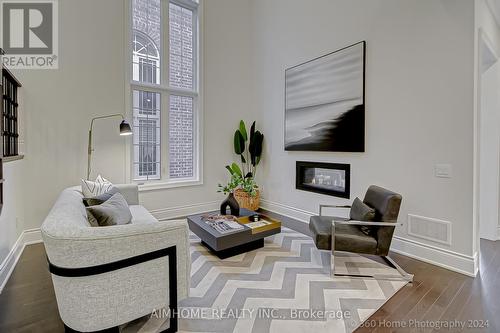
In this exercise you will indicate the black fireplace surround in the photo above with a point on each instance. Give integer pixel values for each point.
(325, 178)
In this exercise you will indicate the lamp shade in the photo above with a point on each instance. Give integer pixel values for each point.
(125, 128)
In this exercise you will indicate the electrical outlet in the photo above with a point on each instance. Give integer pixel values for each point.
(443, 171)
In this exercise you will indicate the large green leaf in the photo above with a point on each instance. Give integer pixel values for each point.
(258, 143)
(229, 169)
(255, 147)
(252, 130)
(236, 169)
(239, 143)
(243, 130)
(251, 145)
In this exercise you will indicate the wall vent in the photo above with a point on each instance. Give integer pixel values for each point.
(428, 228)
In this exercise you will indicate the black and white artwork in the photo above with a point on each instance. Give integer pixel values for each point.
(325, 102)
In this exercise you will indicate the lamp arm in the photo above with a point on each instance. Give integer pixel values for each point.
(104, 117)
(89, 150)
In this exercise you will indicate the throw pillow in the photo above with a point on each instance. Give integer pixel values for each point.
(114, 211)
(94, 188)
(101, 198)
(362, 212)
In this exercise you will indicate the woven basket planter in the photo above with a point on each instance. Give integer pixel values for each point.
(246, 201)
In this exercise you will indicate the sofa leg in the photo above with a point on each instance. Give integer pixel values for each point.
(172, 287)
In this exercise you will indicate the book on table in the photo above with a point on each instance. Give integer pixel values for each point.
(223, 223)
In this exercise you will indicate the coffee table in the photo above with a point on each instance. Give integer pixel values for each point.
(233, 243)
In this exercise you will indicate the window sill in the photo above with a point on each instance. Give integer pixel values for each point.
(166, 185)
(12, 158)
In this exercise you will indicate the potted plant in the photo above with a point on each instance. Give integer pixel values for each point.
(242, 184)
(228, 190)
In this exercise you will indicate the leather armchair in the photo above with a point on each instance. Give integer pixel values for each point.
(364, 237)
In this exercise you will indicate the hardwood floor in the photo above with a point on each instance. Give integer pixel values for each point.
(28, 304)
(445, 297)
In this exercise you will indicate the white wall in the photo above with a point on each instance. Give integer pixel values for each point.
(90, 81)
(489, 152)
(486, 29)
(419, 101)
(58, 104)
(12, 217)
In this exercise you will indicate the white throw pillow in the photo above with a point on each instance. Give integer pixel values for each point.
(94, 188)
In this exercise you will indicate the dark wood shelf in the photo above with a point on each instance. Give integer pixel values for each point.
(9, 92)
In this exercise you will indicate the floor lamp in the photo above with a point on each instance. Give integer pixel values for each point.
(124, 130)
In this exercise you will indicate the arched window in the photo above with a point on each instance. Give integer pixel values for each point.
(146, 59)
(146, 69)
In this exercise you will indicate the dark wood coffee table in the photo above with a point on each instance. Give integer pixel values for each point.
(233, 243)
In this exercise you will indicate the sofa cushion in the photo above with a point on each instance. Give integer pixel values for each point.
(114, 211)
(93, 188)
(362, 212)
(101, 198)
(68, 213)
(140, 215)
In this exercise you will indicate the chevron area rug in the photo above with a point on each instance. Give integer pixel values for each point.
(283, 287)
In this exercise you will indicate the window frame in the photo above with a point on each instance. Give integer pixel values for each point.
(166, 91)
(10, 88)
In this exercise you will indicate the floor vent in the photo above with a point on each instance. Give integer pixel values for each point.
(428, 228)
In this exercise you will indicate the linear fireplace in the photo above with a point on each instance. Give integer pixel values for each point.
(325, 178)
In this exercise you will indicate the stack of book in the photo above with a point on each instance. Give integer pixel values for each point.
(223, 223)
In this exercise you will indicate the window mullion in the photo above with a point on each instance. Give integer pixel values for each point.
(165, 136)
(165, 94)
(165, 54)
(163, 88)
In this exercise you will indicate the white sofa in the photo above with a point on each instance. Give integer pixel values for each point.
(106, 276)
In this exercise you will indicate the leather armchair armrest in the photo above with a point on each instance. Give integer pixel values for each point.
(369, 223)
(331, 206)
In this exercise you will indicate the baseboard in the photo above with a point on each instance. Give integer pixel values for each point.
(453, 261)
(289, 211)
(180, 211)
(27, 237)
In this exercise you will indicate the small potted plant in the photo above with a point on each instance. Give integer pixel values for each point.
(242, 184)
(228, 190)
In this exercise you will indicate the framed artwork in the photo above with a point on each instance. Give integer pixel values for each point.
(325, 102)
